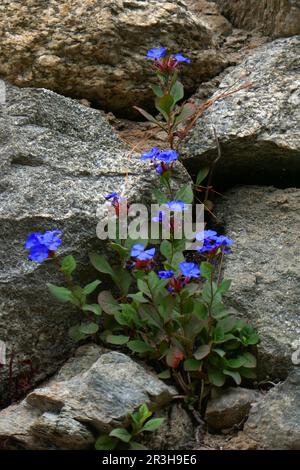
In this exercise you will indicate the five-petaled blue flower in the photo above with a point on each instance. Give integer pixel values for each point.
(165, 274)
(211, 242)
(167, 156)
(176, 206)
(39, 245)
(112, 196)
(189, 269)
(180, 58)
(156, 53)
(138, 251)
(150, 154)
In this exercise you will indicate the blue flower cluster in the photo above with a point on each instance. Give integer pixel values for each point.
(41, 245)
(212, 242)
(187, 271)
(160, 52)
(163, 160)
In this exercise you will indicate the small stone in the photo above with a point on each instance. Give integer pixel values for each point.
(230, 407)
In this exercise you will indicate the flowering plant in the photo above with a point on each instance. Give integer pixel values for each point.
(164, 308)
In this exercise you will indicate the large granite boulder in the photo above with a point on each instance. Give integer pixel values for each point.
(265, 268)
(95, 49)
(94, 392)
(58, 161)
(277, 18)
(274, 422)
(258, 128)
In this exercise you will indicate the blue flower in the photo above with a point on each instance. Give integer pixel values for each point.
(156, 53)
(211, 241)
(180, 58)
(113, 196)
(176, 206)
(153, 153)
(189, 269)
(224, 241)
(39, 245)
(167, 156)
(51, 239)
(138, 251)
(165, 274)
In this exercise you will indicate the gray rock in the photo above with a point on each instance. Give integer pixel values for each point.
(84, 399)
(274, 422)
(177, 431)
(230, 406)
(58, 161)
(95, 49)
(258, 128)
(264, 268)
(277, 18)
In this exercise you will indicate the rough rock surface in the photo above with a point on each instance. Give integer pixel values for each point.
(258, 128)
(210, 16)
(231, 406)
(93, 393)
(175, 433)
(265, 268)
(58, 161)
(277, 18)
(95, 49)
(274, 422)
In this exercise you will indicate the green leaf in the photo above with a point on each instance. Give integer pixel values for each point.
(206, 269)
(164, 105)
(166, 249)
(160, 197)
(202, 351)
(137, 446)
(165, 374)
(202, 174)
(250, 360)
(105, 442)
(68, 265)
(141, 415)
(177, 91)
(79, 296)
(76, 334)
(187, 112)
(89, 328)
(224, 286)
(192, 365)
(89, 288)
(219, 351)
(185, 194)
(60, 293)
(121, 434)
(117, 339)
(235, 375)
(122, 279)
(138, 297)
(101, 264)
(120, 249)
(157, 90)
(247, 373)
(108, 303)
(200, 310)
(95, 308)
(143, 287)
(216, 377)
(152, 424)
(138, 346)
(227, 324)
(148, 116)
